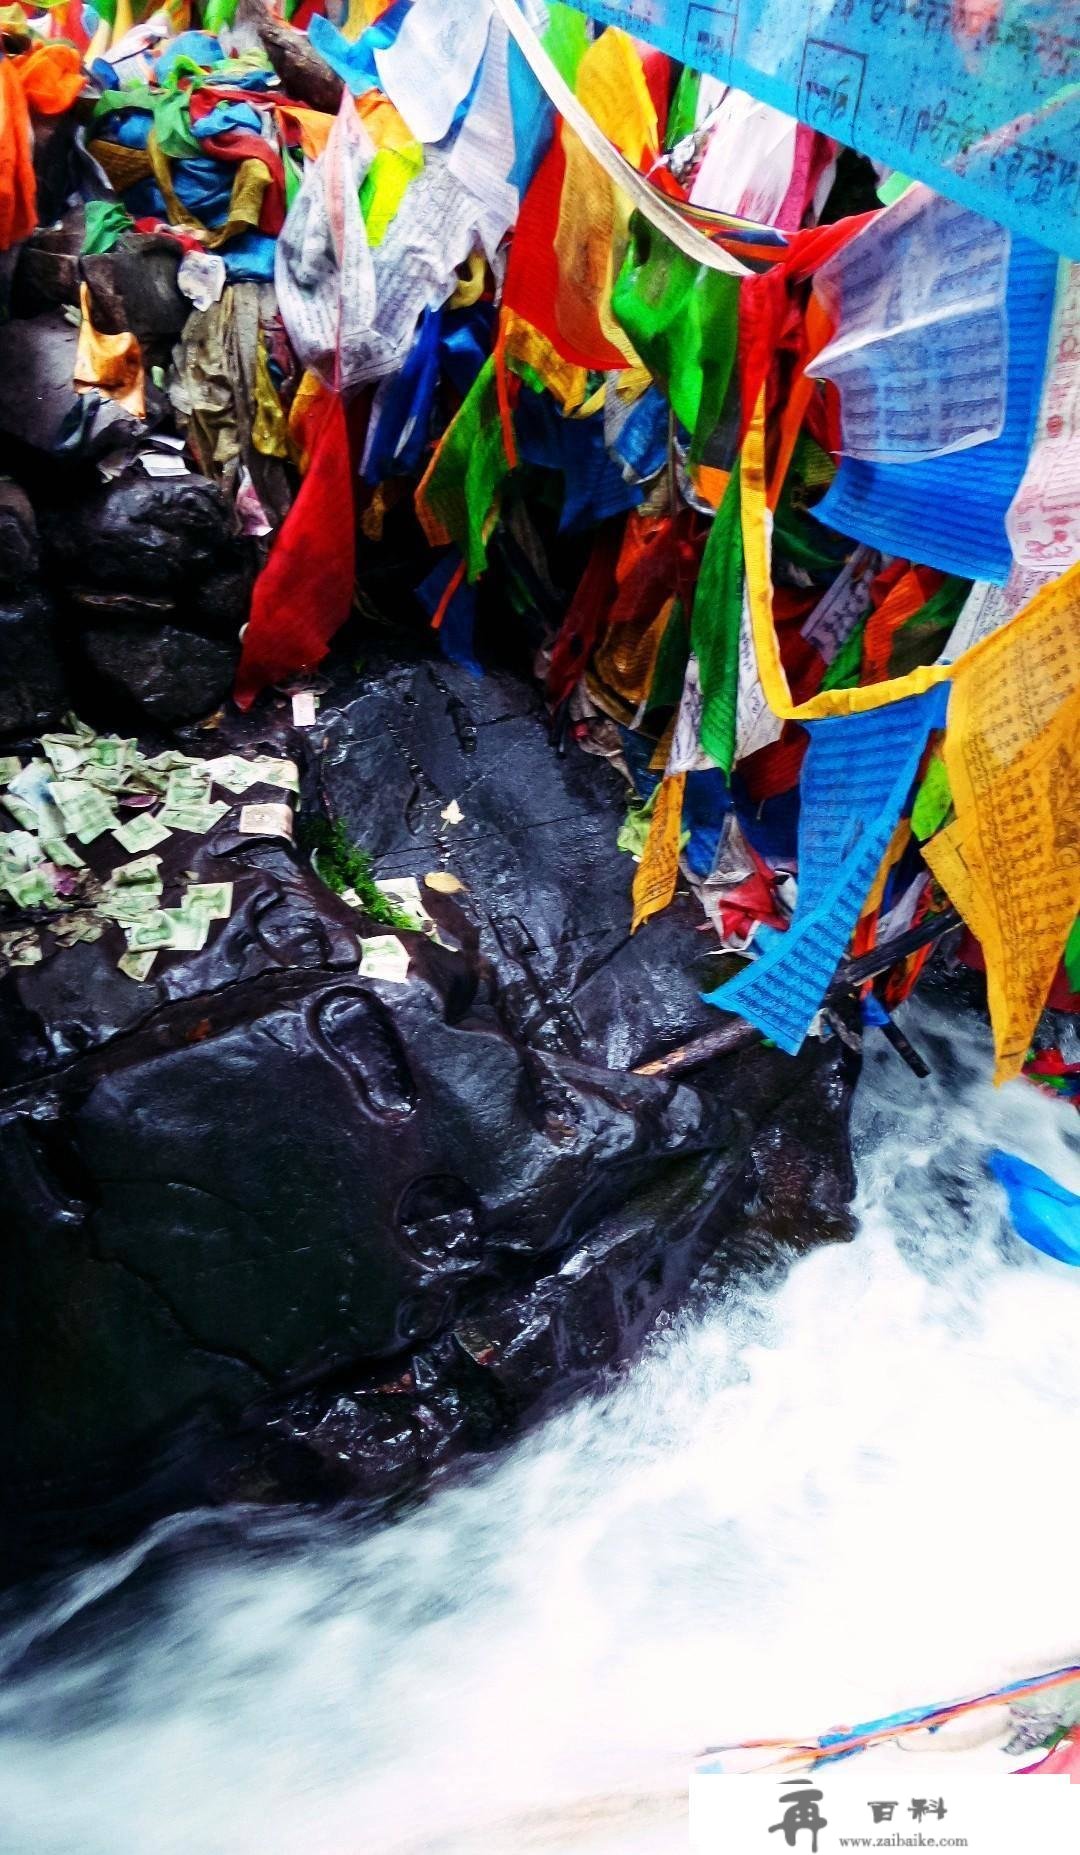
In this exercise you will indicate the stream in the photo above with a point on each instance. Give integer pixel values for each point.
(842, 1489)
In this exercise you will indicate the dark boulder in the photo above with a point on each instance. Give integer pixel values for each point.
(140, 534)
(32, 688)
(48, 273)
(363, 1226)
(303, 73)
(19, 551)
(134, 287)
(167, 674)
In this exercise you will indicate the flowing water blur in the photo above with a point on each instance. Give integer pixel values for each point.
(843, 1490)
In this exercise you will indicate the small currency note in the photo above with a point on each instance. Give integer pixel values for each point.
(272, 772)
(152, 931)
(19, 850)
(188, 785)
(21, 948)
(143, 870)
(230, 771)
(32, 888)
(385, 957)
(142, 833)
(266, 820)
(105, 778)
(190, 927)
(66, 753)
(137, 903)
(58, 850)
(86, 814)
(10, 767)
(170, 761)
(136, 965)
(237, 774)
(303, 709)
(67, 930)
(31, 788)
(195, 818)
(213, 899)
(403, 894)
(23, 813)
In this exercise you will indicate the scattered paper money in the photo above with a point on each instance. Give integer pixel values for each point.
(136, 965)
(303, 709)
(10, 768)
(142, 833)
(266, 820)
(444, 883)
(385, 957)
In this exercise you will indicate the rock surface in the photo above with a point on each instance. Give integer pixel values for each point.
(357, 1227)
(167, 674)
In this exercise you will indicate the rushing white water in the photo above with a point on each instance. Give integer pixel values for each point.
(849, 1489)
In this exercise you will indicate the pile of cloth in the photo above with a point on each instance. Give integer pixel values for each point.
(766, 450)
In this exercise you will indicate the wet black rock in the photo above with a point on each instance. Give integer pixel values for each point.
(32, 687)
(140, 534)
(168, 675)
(134, 287)
(20, 553)
(359, 1226)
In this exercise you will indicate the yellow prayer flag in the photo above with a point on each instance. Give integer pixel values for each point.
(1010, 861)
(766, 648)
(658, 871)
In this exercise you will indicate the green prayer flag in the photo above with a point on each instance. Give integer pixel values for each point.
(683, 320)
(106, 221)
(669, 671)
(714, 628)
(463, 487)
(932, 801)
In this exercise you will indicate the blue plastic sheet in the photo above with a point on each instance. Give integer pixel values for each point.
(1043, 1212)
(982, 101)
(949, 512)
(856, 778)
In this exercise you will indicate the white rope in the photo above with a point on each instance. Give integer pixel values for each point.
(652, 204)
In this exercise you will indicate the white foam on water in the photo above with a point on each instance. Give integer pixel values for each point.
(843, 1491)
